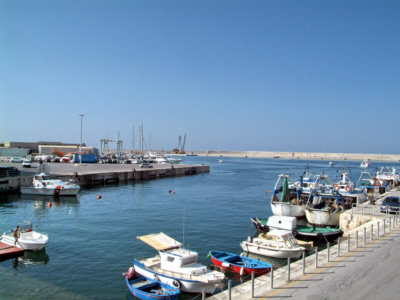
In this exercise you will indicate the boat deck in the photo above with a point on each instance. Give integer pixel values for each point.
(7, 251)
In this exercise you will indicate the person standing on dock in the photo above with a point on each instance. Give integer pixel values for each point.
(16, 235)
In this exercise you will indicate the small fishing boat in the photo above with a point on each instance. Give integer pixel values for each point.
(373, 184)
(331, 163)
(28, 240)
(364, 164)
(43, 185)
(177, 266)
(300, 232)
(239, 264)
(148, 289)
(350, 192)
(275, 243)
(286, 200)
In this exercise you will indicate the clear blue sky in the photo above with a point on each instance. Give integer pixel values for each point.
(233, 75)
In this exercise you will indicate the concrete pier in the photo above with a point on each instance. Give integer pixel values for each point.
(358, 270)
(92, 174)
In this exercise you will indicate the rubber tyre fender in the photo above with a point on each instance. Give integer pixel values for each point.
(320, 235)
(176, 284)
(264, 228)
(295, 233)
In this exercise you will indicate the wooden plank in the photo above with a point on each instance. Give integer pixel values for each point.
(7, 251)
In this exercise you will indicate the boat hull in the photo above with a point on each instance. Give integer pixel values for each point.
(271, 252)
(322, 217)
(32, 241)
(185, 285)
(149, 292)
(242, 266)
(44, 191)
(287, 209)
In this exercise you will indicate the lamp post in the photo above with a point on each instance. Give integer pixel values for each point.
(80, 148)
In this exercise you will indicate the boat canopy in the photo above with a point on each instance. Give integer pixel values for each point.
(160, 241)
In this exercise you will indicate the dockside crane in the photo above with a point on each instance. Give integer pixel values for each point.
(181, 147)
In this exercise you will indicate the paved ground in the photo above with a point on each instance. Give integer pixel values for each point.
(367, 271)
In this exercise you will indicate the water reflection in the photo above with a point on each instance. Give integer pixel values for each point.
(31, 258)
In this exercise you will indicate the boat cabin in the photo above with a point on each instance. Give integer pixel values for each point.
(280, 239)
(172, 257)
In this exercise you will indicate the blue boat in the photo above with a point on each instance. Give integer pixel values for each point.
(148, 289)
(239, 264)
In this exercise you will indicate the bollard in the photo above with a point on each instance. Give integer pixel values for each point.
(288, 269)
(390, 223)
(252, 284)
(338, 247)
(384, 225)
(304, 262)
(272, 277)
(372, 232)
(348, 243)
(327, 246)
(356, 239)
(203, 294)
(229, 289)
(378, 229)
(365, 235)
(316, 257)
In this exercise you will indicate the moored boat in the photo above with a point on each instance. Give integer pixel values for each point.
(239, 264)
(43, 185)
(177, 266)
(148, 289)
(300, 232)
(286, 200)
(350, 192)
(28, 239)
(275, 243)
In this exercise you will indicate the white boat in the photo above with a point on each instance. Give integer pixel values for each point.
(28, 240)
(286, 200)
(364, 164)
(309, 182)
(44, 185)
(324, 209)
(388, 174)
(331, 163)
(349, 190)
(173, 160)
(177, 266)
(275, 243)
(156, 159)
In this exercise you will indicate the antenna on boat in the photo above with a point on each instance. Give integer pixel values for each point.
(183, 227)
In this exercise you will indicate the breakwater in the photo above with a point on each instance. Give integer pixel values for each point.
(301, 155)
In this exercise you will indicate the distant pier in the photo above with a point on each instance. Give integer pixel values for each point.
(92, 174)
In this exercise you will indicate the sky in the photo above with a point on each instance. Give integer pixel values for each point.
(296, 76)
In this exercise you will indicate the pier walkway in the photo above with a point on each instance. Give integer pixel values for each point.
(366, 268)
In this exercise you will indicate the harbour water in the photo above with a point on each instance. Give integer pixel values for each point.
(93, 241)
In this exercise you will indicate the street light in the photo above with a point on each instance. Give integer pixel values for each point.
(80, 148)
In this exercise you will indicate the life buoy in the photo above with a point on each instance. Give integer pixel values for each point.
(320, 235)
(264, 228)
(336, 187)
(176, 284)
(348, 188)
(311, 186)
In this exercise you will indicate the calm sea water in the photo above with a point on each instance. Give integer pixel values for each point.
(93, 241)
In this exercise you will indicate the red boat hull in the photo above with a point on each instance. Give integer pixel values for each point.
(241, 270)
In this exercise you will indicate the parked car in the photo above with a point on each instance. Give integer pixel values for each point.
(145, 164)
(26, 164)
(390, 204)
(56, 159)
(16, 160)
